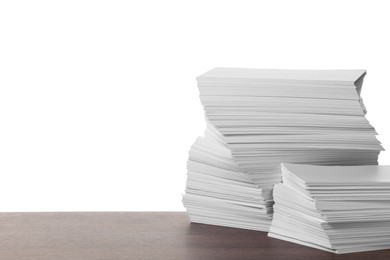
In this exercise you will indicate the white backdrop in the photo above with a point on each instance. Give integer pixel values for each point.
(98, 99)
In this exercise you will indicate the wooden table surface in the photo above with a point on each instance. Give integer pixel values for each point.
(142, 235)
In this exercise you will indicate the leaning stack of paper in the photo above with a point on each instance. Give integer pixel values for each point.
(218, 192)
(257, 119)
(342, 209)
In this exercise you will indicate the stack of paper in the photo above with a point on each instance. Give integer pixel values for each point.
(259, 118)
(219, 192)
(341, 209)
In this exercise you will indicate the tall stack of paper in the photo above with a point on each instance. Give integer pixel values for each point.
(259, 118)
(341, 209)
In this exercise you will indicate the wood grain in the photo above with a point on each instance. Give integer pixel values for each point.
(141, 235)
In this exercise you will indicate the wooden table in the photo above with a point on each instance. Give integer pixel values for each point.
(142, 235)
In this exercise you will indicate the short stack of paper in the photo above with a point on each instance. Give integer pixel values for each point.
(257, 119)
(342, 209)
(219, 192)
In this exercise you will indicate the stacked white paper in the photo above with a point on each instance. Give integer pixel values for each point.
(218, 191)
(342, 209)
(260, 118)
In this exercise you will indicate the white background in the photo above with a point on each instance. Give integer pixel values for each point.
(98, 99)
